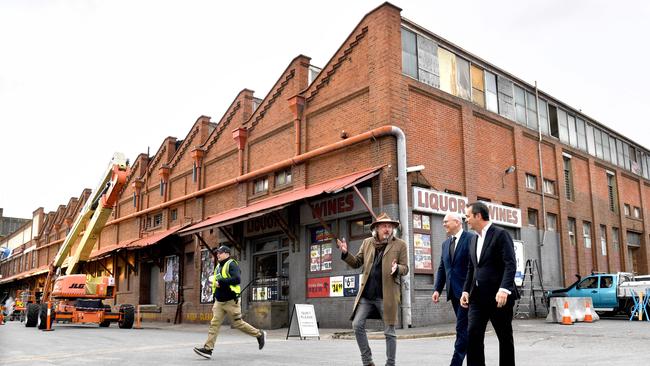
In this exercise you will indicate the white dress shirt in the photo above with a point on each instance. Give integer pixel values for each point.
(479, 247)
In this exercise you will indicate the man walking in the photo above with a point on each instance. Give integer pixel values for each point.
(451, 274)
(383, 257)
(226, 291)
(489, 289)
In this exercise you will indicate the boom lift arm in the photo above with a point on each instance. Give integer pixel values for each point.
(89, 222)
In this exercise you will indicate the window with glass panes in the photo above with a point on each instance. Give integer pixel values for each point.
(551, 221)
(532, 217)
(615, 238)
(549, 186)
(520, 104)
(409, 54)
(582, 137)
(586, 233)
(572, 230)
(531, 181)
(603, 239)
(491, 101)
(531, 110)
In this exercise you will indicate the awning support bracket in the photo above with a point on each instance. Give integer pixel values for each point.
(365, 203)
(285, 228)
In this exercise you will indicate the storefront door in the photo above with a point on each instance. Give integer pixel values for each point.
(271, 269)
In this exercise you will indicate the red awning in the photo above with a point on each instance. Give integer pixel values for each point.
(101, 252)
(153, 238)
(280, 201)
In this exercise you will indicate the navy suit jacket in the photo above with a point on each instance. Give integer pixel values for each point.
(495, 269)
(451, 274)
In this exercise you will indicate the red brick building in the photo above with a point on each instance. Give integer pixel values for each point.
(324, 143)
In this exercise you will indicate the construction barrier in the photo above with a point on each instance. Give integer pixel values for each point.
(577, 308)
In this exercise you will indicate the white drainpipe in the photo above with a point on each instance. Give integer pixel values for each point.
(402, 192)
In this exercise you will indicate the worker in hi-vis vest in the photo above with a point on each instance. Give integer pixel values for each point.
(226, 291)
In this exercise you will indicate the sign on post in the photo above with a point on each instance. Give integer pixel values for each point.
(303, 322)
(519, 256)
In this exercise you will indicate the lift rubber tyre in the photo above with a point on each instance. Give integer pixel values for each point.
(32, 315)
(43, 316)
(128, 316)
(106, 323)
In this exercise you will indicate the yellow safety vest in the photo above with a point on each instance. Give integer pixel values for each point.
(225, 273)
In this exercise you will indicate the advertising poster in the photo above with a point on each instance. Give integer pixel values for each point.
(336, 286)
(171, 279)
(318, 287)
(422, 246)
(417, 221)
(519, 256)
(426, 222)
(207, 269)
(314, 258)
(351, 285)
(326, 257)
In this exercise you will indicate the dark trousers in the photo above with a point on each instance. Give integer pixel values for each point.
(480, 312)
(460, 347)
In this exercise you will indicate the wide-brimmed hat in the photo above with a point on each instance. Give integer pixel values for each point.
(383, 218)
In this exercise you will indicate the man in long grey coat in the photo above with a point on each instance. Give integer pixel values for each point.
(383, 257)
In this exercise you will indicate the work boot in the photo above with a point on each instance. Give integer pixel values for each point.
(261, 339)
(203, 352)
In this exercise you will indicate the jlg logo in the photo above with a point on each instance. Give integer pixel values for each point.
(77, 285)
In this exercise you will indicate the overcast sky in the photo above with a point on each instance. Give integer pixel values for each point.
(80, 80)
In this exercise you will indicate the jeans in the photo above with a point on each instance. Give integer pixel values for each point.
(364, 308)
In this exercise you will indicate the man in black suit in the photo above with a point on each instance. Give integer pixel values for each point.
(489, 289)
(451, 274)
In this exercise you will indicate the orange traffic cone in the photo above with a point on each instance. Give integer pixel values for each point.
(588, 317)
(566, 315)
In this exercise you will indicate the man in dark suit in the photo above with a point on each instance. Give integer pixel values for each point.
(451, 274)
(489, 289)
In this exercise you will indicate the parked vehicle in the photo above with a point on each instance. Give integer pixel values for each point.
(611, 293)
(78, 298)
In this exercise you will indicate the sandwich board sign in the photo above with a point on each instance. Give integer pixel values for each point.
(303, 322)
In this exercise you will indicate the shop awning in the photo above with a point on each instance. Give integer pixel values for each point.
(30, 273)
(153, 238)
(103, 251)
(280, 201)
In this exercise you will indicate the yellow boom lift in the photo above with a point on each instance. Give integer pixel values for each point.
(78, 298)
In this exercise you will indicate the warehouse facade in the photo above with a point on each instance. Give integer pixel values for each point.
(280, 178)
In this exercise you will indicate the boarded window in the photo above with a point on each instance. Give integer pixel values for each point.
(478, 86)
(531, 107)
(491, 100)
(447, 63)
(520, 104)
(409, 54)
(506, 100)
(464, 83)
(428, 62)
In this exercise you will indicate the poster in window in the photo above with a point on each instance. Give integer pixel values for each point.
(351, 285)
(426, 222)
(207, 269)
(417, 221)
(171, 279)
(336, 286)
(314, 258)
(320, 235)
(318, 287)
(422, 246)
(326, 257)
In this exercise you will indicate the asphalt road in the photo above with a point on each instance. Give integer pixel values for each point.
(606, 342)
